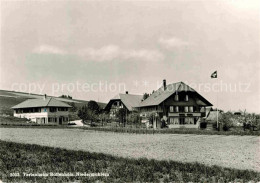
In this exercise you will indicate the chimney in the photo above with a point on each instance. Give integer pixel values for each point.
(44, 97)
(164, 84)
(126, 92)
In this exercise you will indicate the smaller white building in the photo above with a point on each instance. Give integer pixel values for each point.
(43, 111)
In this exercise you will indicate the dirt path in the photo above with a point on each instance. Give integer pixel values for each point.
(242, 152)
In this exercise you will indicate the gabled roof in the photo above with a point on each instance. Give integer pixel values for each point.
(161, 95)
(48, 102)
(129, 100)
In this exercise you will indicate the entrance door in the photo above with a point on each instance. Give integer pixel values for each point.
(60, 120)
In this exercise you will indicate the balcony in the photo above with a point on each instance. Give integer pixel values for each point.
(177, 114)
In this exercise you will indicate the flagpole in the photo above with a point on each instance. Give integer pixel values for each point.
(217, 112)
(215, 75)
(217, 108)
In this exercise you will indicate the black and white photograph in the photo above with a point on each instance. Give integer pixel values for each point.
(130, 91)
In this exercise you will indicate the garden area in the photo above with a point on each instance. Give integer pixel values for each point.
(229, 123)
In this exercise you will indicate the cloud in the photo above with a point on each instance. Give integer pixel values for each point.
(172, 42)
(146, 55)
(47, 49)
(111, 52)
(105, 53)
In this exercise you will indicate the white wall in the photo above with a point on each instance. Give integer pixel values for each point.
(42, 114)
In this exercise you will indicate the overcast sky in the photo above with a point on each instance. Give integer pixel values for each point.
(62, 43)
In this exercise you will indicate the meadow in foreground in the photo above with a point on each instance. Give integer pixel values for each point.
(19, 158)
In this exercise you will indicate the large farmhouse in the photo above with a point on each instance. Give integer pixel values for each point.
(43, 111)
(177, 105)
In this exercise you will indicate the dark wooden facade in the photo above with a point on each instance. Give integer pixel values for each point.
(182, 109)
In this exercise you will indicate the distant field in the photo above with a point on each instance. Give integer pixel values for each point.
(39, 159)
(241, 152)
(7, 102)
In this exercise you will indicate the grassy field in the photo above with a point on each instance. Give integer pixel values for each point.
(7, 102)
(241, 152)
(41, 159)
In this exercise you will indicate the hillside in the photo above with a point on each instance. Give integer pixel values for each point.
(10, 98)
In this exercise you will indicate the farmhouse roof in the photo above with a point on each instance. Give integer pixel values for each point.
(48, 102)
(163, 93)
(129, 100)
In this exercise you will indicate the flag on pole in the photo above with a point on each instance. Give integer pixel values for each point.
(214, 75)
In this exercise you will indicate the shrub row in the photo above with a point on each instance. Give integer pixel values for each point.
(173, 131)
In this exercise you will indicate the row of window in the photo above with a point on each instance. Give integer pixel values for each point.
(28, 110)
(44, 120)
(181, 97)
(38, 109)
(64, 119)
(181, 109)
(117, 103)
(55, 109)
(183, 121)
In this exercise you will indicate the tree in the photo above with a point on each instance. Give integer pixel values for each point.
(66, 96)
(145, 96)
(73, 107)
(73, 115)
(87, 114)
(251, 121)
(153, 116)
(104, 117)
(134, 118)
(121, 115)
(93, 106)
(83, 113)
(226, 120)
(93, 110)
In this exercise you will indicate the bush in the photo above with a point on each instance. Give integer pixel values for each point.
(226, 121)
(172, 131)
(226, 127)
(133, 119)
(203, 125)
